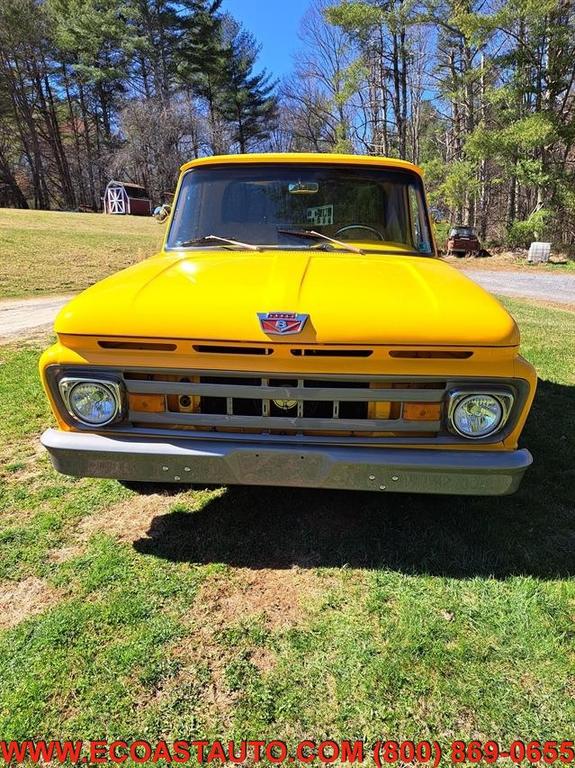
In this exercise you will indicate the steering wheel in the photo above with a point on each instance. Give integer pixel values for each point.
(360, 226)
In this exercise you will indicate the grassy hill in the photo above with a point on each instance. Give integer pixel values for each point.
(50, 252)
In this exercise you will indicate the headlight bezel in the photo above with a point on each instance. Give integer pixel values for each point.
(505, 399)
(67, 384)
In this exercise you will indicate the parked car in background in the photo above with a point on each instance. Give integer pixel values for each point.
(462, 241)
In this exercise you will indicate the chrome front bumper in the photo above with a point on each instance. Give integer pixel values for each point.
(229, 462)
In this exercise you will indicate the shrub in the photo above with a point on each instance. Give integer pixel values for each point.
(522, 233)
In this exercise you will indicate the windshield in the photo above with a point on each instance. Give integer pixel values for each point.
(274, 205)
(462, 232)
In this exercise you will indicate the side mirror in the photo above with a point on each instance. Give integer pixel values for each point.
(161, 213)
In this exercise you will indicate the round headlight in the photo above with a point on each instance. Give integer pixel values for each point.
(94, 403)
(477, 415)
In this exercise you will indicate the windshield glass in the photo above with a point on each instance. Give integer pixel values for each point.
(462, 232)
(254, 203)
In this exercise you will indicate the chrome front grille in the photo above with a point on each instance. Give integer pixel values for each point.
(272, 403)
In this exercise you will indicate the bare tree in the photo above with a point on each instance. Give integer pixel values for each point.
(318, 95)
(158, 138)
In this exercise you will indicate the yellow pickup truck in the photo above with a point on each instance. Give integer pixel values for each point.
(297, 329)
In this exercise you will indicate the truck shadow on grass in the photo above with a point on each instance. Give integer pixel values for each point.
(531, 533)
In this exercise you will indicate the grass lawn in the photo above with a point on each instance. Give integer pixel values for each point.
(261, 613)
(47, 252)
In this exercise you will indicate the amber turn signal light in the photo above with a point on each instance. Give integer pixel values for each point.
(422, 411)
(147, 403)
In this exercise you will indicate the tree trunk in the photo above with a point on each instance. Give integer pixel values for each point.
(73, 122)
(88, 143)
(9, 180)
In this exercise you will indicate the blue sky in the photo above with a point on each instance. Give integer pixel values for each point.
(275, 25)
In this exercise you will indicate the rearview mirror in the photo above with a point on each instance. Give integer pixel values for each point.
(303, 188)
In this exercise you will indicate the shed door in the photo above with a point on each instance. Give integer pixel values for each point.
(116, 200)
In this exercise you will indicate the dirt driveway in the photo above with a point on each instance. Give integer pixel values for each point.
(557, 289)
(21, 317)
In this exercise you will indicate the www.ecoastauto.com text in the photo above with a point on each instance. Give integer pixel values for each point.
(381, 753)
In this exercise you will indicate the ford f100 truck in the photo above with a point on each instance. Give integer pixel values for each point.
(296, 329)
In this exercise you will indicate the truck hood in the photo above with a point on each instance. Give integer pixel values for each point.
(350, 299)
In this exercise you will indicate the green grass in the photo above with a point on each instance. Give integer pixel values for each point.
(256, 613)
(548, 339)
(50, 252)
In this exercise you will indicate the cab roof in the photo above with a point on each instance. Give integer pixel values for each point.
(296, 158)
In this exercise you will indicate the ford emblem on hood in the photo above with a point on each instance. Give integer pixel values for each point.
(282, 323)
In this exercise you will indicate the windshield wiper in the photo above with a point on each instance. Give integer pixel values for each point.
(212, 238)
(311, 234)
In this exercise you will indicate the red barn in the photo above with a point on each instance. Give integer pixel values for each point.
(123, 197)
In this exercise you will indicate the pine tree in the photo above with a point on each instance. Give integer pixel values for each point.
(201, 64)
(247, 100)
(93, 40)
(155, 28)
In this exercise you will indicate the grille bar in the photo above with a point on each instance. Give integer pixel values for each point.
(300, 402)
(284, 422)
(265, 400)
(364, 395)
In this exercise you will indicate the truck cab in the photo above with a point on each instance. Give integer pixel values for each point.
(296, 329)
